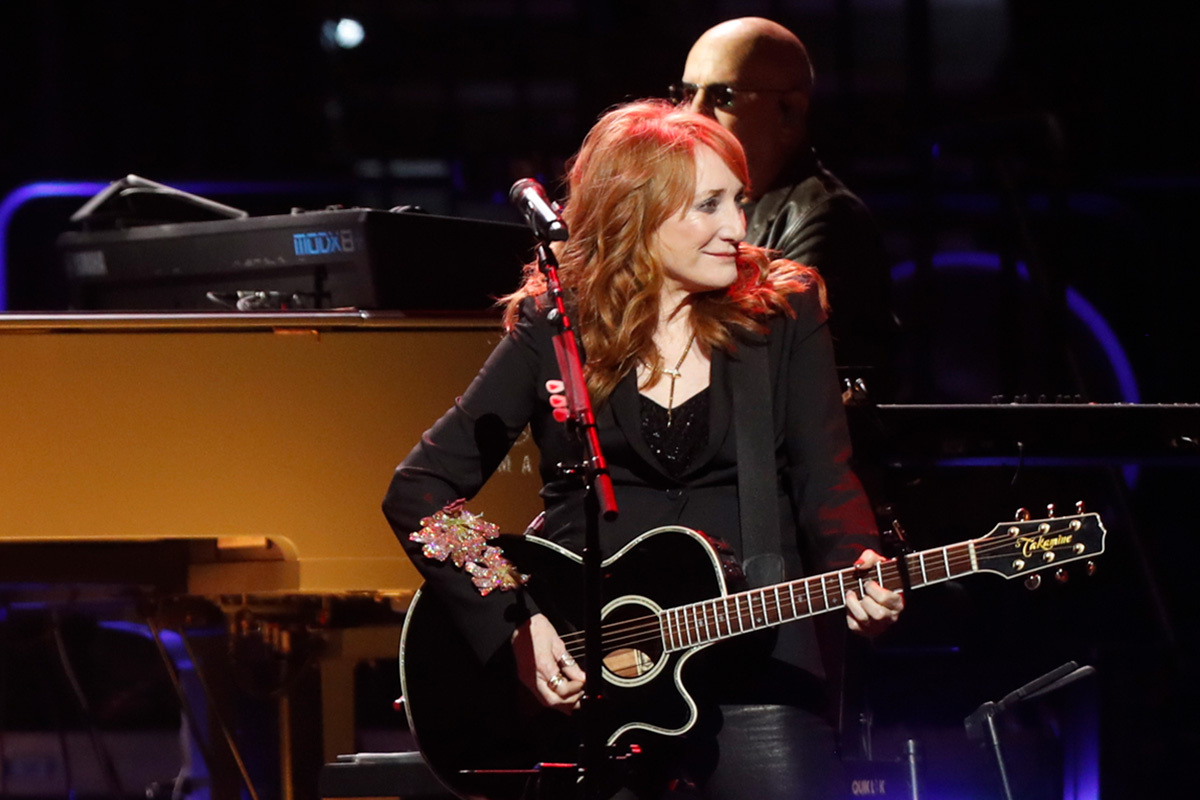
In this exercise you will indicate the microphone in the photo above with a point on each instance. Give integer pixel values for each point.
(541, 215)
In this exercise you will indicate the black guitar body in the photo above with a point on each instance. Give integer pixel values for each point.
(469, 716)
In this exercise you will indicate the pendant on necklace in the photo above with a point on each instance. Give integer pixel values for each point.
(675, 373)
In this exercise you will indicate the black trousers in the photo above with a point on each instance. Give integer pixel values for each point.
(763, 737)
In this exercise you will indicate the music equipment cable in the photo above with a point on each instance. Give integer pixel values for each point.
(102, 755)
(184, 708)
(220, 719)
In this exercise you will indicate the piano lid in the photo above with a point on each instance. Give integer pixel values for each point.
(266, 441)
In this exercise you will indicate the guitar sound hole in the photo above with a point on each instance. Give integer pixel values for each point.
(633, 648)
(628, 662)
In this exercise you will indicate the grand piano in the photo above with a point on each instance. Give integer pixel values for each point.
(231, 466)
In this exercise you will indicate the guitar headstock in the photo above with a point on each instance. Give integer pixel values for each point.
(1025, 546)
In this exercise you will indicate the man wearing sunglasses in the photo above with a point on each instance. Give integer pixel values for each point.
(754, 77)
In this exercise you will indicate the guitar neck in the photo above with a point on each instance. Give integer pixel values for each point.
(732, 615)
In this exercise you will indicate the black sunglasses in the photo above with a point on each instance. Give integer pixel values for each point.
(719, 95)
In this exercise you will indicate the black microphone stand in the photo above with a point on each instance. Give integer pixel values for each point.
(982, 721)
(600, 501)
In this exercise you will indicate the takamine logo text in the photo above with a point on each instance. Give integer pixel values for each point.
(320, 243)
(1040, 544)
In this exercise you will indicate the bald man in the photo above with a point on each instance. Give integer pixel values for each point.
(754, 77)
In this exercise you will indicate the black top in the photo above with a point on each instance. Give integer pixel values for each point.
(677, 437)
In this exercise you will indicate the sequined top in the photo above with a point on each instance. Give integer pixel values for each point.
(677, 444)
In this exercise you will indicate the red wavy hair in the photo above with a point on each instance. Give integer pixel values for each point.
(636, 168)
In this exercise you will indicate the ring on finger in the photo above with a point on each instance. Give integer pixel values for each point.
(565, 661)
(555, 681)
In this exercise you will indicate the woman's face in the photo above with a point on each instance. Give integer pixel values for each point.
(697, 247)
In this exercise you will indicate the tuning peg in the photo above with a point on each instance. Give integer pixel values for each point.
(1050, 510)
(1033, 582)
(1079, 507)
(1061, 575)
(1091, 568)
(1022, 514)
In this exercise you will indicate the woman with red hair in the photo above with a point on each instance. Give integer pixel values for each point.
(673, 310)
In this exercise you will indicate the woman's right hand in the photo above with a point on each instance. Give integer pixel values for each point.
(545, 667)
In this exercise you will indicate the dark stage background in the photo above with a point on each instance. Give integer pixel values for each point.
(1059, 134)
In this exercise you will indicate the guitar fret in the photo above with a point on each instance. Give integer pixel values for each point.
(807, 597)
(879, 572)
(946, 560)
(824, 591)
(672, 639)
(738, 602)
(681, 618)
(778, 606)
(694, 626)
(728, 622)
(842, 585)
(862, 589)
(921, 561)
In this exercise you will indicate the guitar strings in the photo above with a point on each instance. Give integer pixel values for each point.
(698, 628)
(695, 623)
(695, 630)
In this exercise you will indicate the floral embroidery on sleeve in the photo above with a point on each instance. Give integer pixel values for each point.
(461, 536)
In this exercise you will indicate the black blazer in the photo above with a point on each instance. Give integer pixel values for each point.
(825, 518)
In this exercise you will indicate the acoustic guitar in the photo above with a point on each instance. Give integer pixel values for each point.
(668, 597)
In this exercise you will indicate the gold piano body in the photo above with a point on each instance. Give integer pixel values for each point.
(237, 459)
(265, 440)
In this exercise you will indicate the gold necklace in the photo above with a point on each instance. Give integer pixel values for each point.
(675, 373)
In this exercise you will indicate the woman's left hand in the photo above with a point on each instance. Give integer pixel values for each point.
(878, 608)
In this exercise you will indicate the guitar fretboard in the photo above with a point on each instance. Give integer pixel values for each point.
(735, 614)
